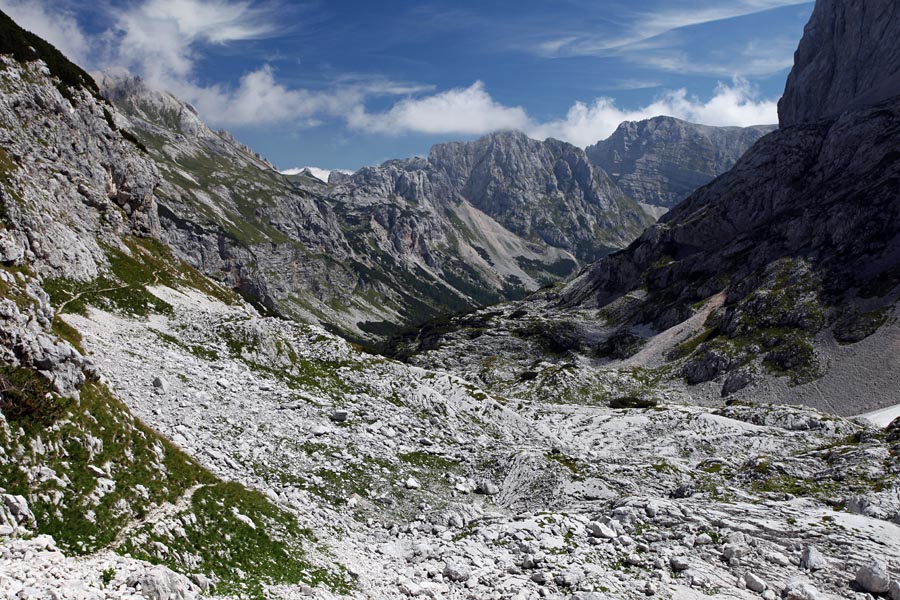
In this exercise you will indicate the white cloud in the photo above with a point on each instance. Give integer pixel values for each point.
(468, 110)
(163, 39)
(321, 174)
(644, 27)
(731, 105)
(54, 24)
(656, 40)
(159, 38)
(260, 99)
(654, 24)
(472, 111)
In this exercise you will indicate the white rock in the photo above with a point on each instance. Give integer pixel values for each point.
(812, 559)
(487, 488)
(412, 483)
(160, 583)
(874, 577)
(801, 590)
(599, 530)
(96, 471)
(569, 579)
(754, 583)
(456, 572)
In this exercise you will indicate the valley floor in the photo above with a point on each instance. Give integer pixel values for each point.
(417, 483)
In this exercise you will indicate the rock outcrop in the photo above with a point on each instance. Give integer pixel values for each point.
(545, 192)
(95, 188)
(849, 58)
(661, 161)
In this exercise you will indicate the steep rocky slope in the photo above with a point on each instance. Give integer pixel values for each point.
(385, 247)
(661, 161)
(848, 58)
(778, 281)
(545, 192)
(79, 223)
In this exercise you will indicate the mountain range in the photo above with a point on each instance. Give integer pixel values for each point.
(702, 408)
(393, 246)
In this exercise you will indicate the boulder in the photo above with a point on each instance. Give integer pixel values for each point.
(487, 488)
(599, 530)
(339, 416)
(874, 578)
(801, 590)
(755, 584)
(161, 583)
(812, 559)
(679, 563)
(454, 571)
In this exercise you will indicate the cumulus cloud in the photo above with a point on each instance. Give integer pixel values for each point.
(736, 104)
(260, 99)
(53, 23)
(473, 111)
(318, 173)
(468, 110)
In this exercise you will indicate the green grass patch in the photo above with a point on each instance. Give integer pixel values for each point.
(244, 541)
(426, 460)
(98, 430)
(124, 288)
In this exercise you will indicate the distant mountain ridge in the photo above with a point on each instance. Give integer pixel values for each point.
(384, 247)
(545, 192)
(389, 246)
(661, 161)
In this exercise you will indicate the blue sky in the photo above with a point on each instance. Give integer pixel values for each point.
(341, 84)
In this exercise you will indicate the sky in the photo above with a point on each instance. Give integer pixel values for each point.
(339, 84)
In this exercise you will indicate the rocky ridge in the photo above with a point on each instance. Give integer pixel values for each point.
(659, 162)
(79, 227)
(387, 246)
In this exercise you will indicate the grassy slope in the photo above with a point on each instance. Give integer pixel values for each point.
(92, 472)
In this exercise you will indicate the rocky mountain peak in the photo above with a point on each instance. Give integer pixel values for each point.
(849, 58)
(660, 161)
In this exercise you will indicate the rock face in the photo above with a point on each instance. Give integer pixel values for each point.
(409, 240)
(95, 188)
(848, 58)
(661, 161)
(802, 235)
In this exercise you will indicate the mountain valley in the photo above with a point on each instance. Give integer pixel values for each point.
(572, 399)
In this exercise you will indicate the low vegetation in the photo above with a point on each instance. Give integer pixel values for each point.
(90, 471)
(123, 288)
